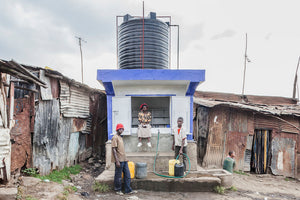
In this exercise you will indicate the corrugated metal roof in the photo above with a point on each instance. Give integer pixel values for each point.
(74, 102)
(266, 109)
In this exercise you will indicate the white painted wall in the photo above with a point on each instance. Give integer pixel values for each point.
(121, 113)
(181, 108)
(123, 88)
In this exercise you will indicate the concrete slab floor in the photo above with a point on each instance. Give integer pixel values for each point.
(197, 181)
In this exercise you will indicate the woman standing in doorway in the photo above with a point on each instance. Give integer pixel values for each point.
(144, 129)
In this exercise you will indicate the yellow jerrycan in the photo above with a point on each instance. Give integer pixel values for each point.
(131, 167)
(172, 165)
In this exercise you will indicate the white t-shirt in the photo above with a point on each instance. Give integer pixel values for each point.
(179, 136)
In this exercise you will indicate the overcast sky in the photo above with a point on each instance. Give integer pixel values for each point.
(42, 33)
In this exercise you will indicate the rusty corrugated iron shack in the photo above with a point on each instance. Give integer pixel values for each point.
(263, 131)
(55, 126)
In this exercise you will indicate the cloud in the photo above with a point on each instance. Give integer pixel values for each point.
(226, 34)
(268, 36)
(190, 34)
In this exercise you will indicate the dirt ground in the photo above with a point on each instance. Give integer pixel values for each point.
(250, 186)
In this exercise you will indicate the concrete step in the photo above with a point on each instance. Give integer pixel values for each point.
(200, 181)
(162, 161)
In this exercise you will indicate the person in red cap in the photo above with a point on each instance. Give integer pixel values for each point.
(144, 128)
(121, 163)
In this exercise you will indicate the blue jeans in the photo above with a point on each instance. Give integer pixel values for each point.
(118, 177)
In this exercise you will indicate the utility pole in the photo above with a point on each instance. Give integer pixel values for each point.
(296, 79)
(81, 40)
(245, 63)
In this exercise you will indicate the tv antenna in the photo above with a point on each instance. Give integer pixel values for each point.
(245, 65)
(296, 80)
(79, 41)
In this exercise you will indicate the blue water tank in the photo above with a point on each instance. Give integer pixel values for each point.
(130, 43)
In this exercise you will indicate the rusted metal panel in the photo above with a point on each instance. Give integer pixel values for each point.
(54, 87)
(74, 101)
(78, 125)
(251, 123)
(265, 122)
(237, 142)
(98, 135)
(283, 157)
(216, 138)
(298, 166)
(290, 126)
(238, 121)
(20, 135)
(268, 100)
(278, 110)
(5, 154)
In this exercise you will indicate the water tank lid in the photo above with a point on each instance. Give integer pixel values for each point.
(127, 17)
(152, 15)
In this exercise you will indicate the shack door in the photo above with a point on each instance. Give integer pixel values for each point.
(260, 151)
(121, 113)
(181, 108)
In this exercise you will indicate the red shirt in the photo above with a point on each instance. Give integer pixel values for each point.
(179, 130)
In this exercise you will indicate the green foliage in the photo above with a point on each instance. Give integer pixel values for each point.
(219, 189)
(66, 193)
(64, 174)
(287, 179)
(71, 189)
(30, 198)
(20, 193)
(241, 173)
(233, 188)
(30, 172)
(99, 187)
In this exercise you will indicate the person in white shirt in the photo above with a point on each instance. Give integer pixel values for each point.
(179, 140)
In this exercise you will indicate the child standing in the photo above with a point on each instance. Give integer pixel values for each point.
(179, 140)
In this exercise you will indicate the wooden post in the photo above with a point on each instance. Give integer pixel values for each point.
(12, 104)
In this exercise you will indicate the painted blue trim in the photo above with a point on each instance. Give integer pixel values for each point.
(150, 74)
(109, 116)
(150, 95)
(191, 89)
(190, 136)
(109, 88)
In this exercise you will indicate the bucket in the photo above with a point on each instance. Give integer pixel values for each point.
(171, 166)
(141, 170)
(131, 169)
(179, 169)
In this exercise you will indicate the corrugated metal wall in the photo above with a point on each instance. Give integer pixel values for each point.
(51, 137)
(5, 153)
(233, 129)
(74, 102)
(218, 129)
(283, 157)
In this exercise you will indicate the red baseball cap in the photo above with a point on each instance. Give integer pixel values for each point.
(144, 104)
(119, 126)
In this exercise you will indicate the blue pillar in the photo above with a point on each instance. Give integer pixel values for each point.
(109, 116)
(190, 137)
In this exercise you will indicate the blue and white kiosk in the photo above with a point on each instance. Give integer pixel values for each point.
(168, 93)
